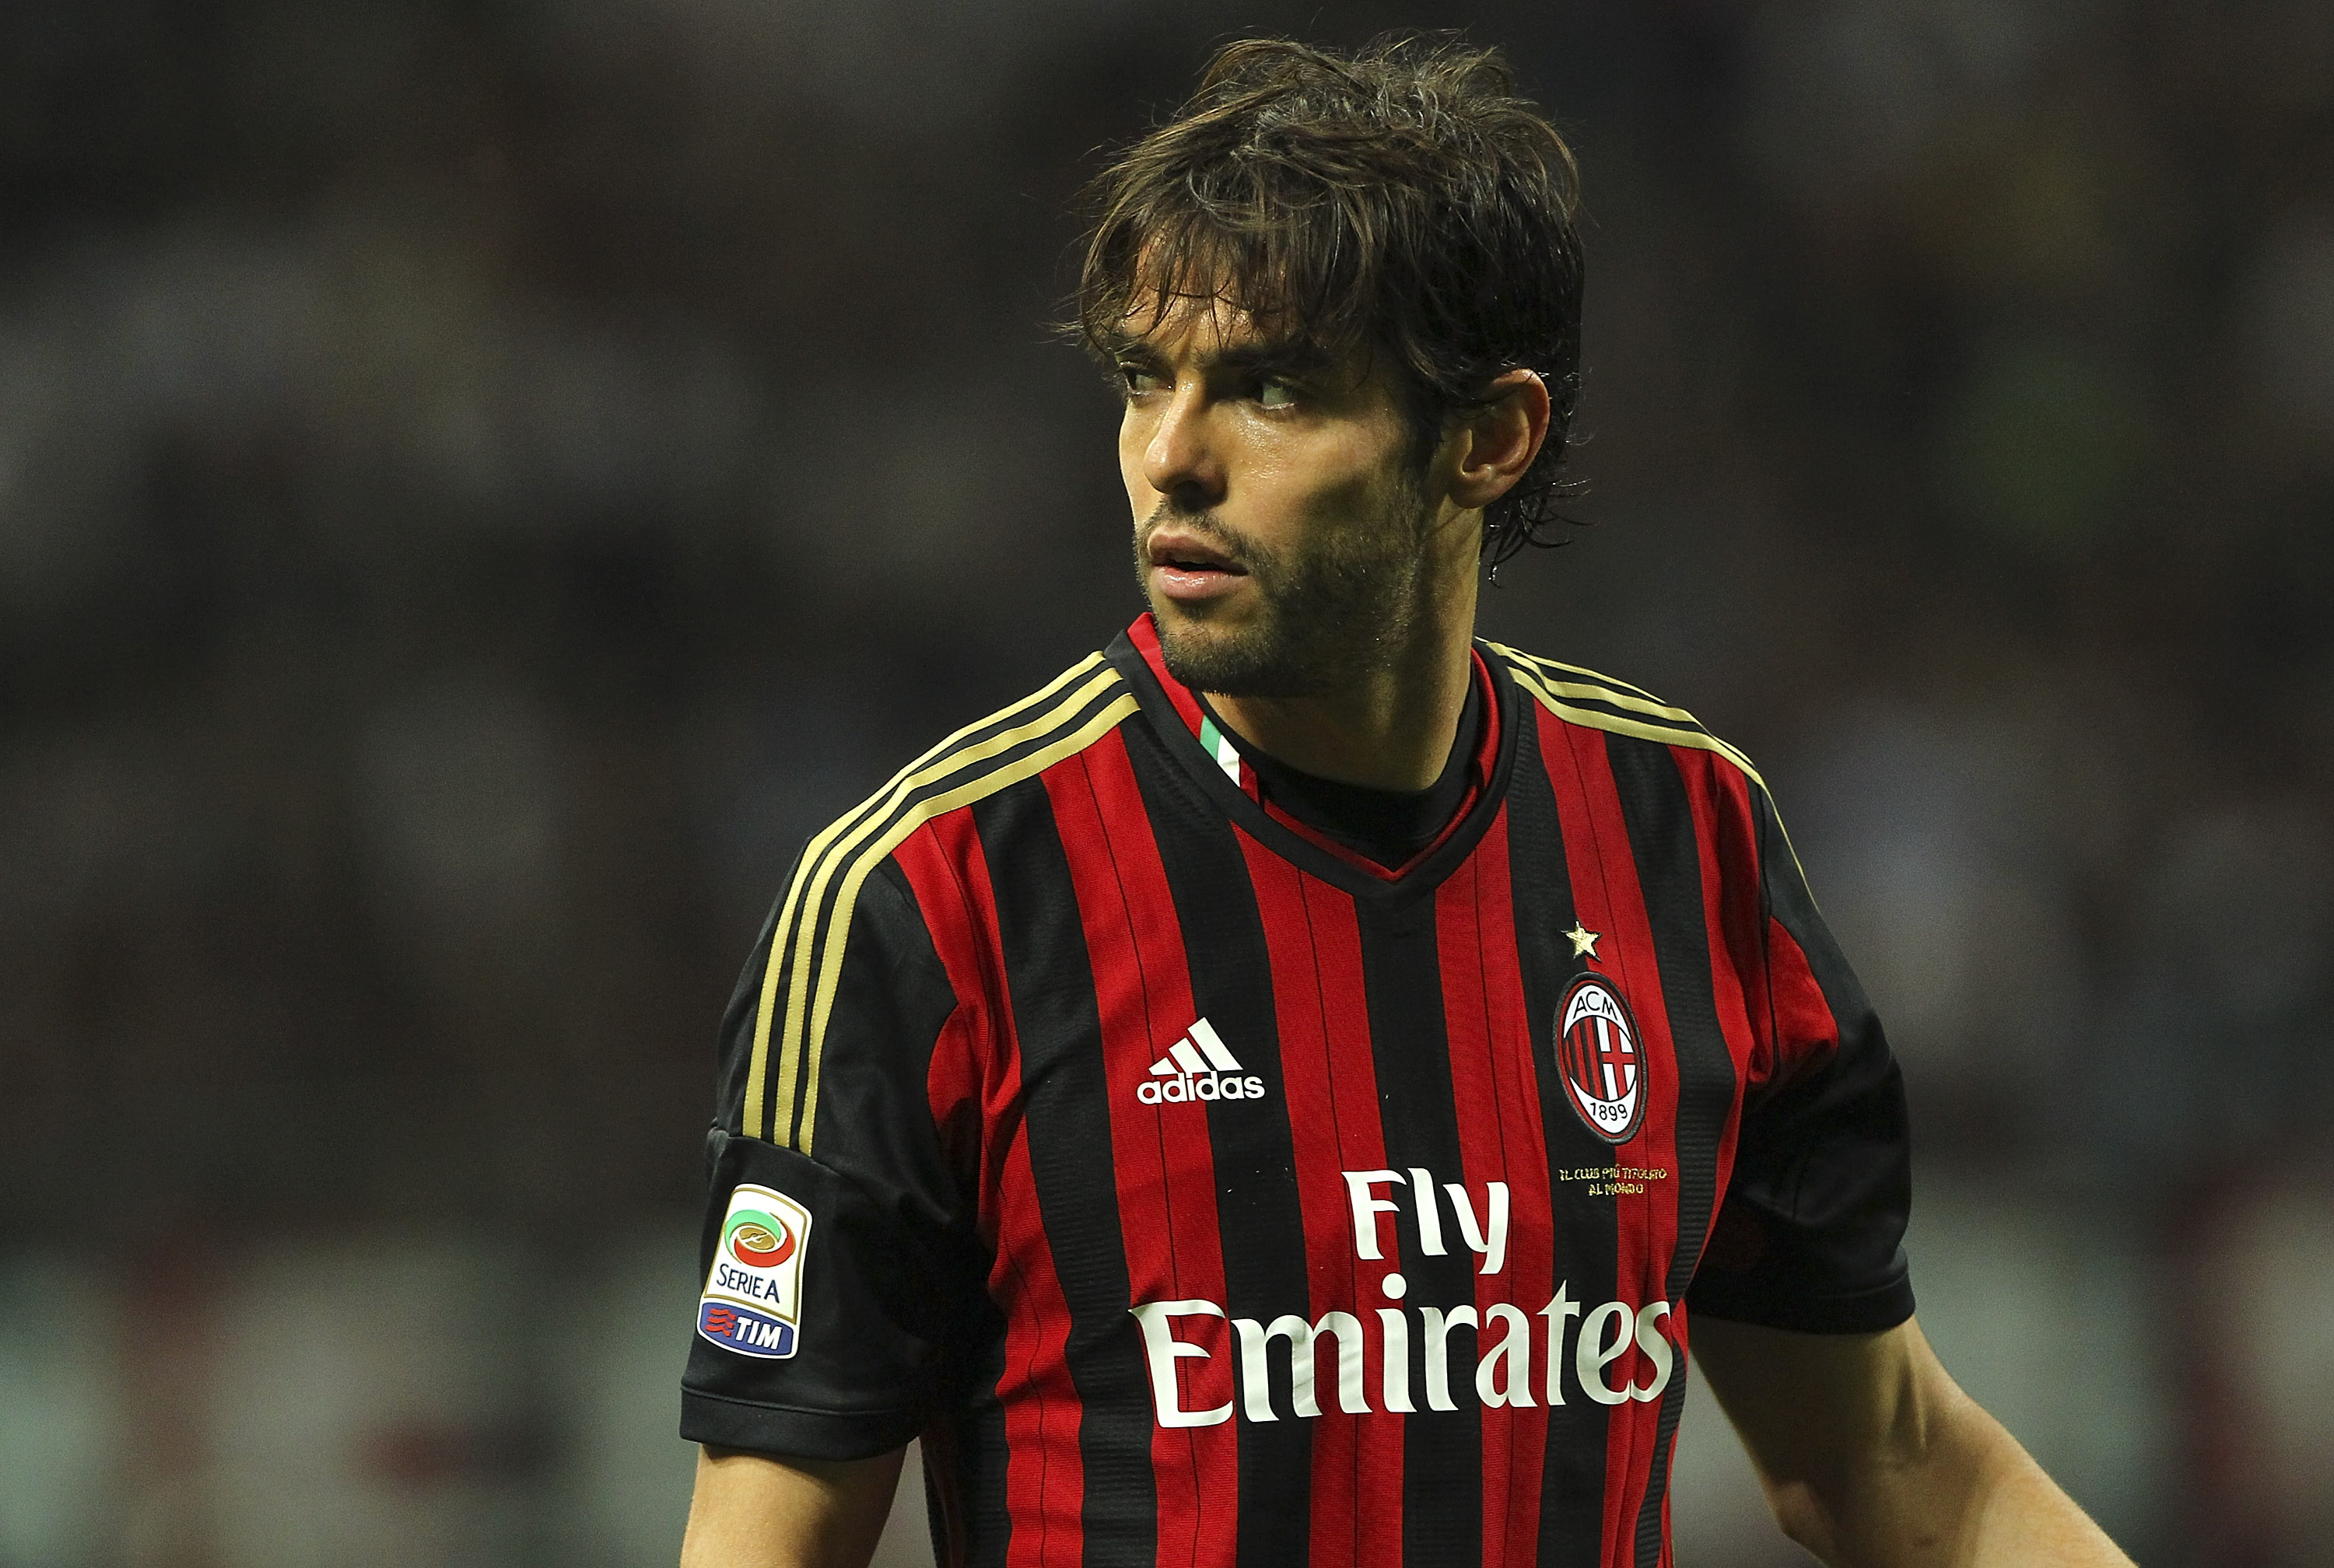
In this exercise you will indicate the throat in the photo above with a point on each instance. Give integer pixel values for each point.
(1387, 826)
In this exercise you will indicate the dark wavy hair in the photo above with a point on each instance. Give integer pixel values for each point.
(1401, 200)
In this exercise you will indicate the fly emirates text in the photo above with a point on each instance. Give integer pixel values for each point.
(1516, 1361)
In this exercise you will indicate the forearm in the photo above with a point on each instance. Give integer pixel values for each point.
(1960, 1492)
(750, 1511)
(1872, 1458)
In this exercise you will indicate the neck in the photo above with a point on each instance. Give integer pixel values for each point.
(1393, 728)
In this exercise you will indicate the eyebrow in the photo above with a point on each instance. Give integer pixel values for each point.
(1289, 354)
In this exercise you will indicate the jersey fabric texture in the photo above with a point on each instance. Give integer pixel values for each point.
(1203, 1192)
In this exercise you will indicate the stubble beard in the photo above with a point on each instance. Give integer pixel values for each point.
(1332, 614)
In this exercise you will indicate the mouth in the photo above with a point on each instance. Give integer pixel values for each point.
(1187, 569)
(1174, 551)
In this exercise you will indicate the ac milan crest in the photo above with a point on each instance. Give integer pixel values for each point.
(1601, 1057)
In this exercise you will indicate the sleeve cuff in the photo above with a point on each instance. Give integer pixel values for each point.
(1866, 1312)
(791, 1434)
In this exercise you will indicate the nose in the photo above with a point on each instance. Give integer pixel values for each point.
(1179, 461)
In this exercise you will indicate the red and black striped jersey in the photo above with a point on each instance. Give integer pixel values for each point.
(1202, 1192)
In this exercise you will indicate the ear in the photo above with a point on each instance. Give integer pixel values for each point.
(1494, 445)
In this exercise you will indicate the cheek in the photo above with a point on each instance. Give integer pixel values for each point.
(1293, 494)
(1344, 490)
(1131, 444)
(1352, 458)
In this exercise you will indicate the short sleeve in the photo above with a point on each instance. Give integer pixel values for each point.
(1810, 1235)
(837, 1274)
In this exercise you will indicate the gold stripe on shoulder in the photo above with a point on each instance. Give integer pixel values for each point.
(1554, 669)
(1644, 705)
(1668, 726)
(1551, 696)
(789, 912)
(794, 939)
(830, 965)
(850, 856)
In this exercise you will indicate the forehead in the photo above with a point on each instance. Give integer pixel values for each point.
(1189, 323)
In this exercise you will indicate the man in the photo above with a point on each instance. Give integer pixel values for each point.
(1279, 1093)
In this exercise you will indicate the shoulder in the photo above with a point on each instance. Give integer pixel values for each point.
(878, 880)
(1582, 697)
(1019, 741)
(1743, 808)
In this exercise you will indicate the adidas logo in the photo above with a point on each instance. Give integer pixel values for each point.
(1197, 1067)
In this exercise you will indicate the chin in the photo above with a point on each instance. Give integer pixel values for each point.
(1231, 664)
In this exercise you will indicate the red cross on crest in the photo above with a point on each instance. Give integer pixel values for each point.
(1617, 1062)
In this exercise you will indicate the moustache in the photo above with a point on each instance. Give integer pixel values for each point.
(1210, 529)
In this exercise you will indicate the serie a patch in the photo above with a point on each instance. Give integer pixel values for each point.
(753, 1297)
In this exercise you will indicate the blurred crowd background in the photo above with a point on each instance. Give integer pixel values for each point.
(481, 480)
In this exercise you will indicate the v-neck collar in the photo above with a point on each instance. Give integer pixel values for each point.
(1176, 716)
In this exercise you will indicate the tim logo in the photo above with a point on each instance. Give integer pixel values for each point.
(1197, 1067)
(743, 1329)
(1601, 1057)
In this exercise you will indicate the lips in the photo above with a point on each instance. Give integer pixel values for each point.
(1175, 550)
(1188, 570)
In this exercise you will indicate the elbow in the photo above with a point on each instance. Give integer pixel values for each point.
(1913, 1492)
(1801, 1514)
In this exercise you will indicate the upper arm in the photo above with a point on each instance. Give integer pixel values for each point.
(753, 1511)
(1808, 1235)
(839, 1276)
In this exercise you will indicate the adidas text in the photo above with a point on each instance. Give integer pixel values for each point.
(1198, 1066)
(1214, 1086)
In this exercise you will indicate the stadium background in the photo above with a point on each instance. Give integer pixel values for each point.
(480, 482)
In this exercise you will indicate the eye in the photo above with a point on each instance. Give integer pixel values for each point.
(1137, 380)
(1273, 393)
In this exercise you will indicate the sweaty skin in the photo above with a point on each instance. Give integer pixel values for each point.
(1300, 565)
